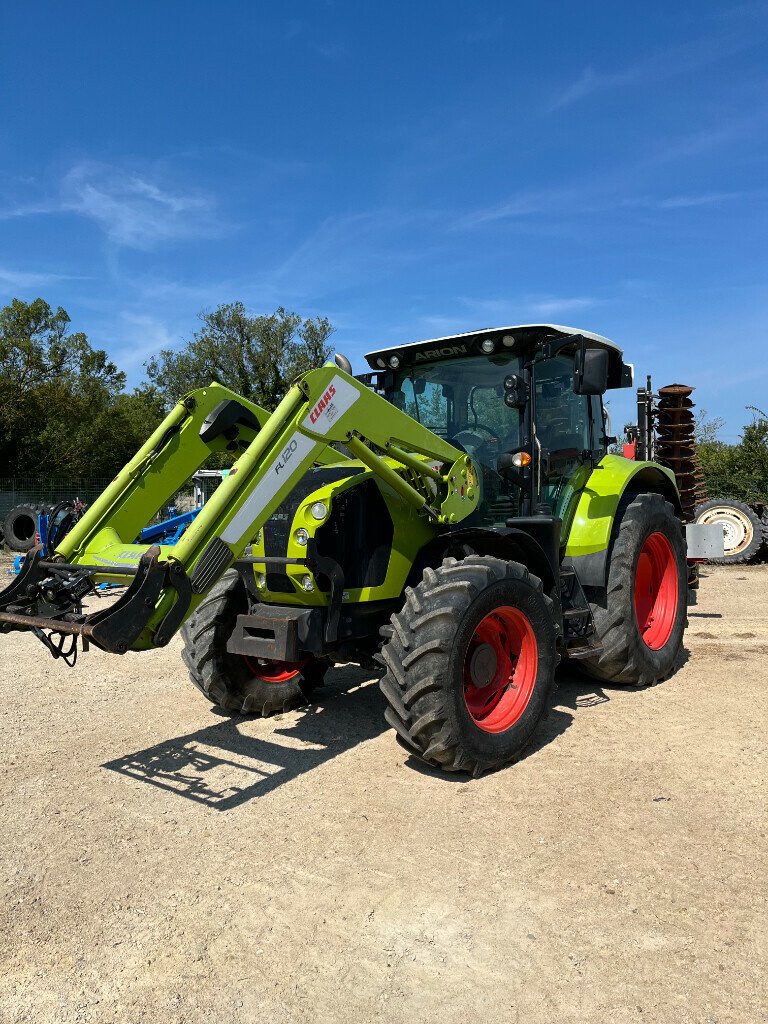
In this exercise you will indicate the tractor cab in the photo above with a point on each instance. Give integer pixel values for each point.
(524, 402)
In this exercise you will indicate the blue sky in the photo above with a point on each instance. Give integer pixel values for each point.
(408, 170)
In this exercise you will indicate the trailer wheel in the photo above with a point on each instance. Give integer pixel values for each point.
(742, 529)
(20, 527)
(640, 616)
(233, 681)
(470, 663)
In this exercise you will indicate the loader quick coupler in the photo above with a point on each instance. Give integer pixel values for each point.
(47, 599)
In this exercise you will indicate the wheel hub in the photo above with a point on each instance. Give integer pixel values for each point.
(482, 665)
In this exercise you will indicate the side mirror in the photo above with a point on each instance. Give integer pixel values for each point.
(590, 371)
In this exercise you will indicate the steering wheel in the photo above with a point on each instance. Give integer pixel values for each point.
(471, 431)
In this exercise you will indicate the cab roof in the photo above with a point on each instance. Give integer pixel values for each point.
(524, 337)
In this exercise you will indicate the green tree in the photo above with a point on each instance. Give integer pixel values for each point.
(738, 470)
(63, 410)
(706, 428)
(255, 355)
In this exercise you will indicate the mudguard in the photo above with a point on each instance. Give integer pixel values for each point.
(589, 537)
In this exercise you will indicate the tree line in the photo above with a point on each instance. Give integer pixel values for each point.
(65, 410)
(64, 407)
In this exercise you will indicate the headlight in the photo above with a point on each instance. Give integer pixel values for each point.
(308, 583)
(301, 536)
(319, 510)
(261, 580)
(487, 346)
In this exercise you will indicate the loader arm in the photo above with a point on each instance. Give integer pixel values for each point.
(322, 407)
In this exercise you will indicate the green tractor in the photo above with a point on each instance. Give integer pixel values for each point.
(452, 518)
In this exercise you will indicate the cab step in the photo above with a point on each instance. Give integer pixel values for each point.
(577, 615)
(580, 649)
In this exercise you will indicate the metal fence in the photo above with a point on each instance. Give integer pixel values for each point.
(50, 490)
(47, 490)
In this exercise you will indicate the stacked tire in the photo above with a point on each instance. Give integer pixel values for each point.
(20, 527)
(744, 531)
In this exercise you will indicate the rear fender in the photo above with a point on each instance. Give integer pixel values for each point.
(612, 483)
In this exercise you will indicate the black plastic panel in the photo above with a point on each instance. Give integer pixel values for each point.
(359, 535)
(277, 529)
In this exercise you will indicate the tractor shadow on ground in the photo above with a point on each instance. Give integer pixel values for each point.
(225, 765)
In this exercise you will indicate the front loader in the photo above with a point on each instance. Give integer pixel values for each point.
(452, 518)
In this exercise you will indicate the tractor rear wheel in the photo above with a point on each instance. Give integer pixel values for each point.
(741, 525)
(20, 527)
(470, 663)
(641, 615)
(234, 681)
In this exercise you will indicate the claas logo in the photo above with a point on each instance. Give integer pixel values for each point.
(315, 414)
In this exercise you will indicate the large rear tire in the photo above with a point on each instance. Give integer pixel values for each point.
(640, 616)
(470, 663)
(233, 681)
(742, 529)
(20, 527)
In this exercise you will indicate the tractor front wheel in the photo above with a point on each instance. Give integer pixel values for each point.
(470, 663)
(641, 615)
(234, 681)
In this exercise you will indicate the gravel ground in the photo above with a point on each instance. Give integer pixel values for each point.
(162, 862)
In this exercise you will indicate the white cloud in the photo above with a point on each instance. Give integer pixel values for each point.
(502, 312)
(140, 337)
(348, 249)
(589, 200)
(28, 210)
(134, 210)
(673, 62)
(22, 279)
(587, 82)
(525, 204)
(707, 199)
(555, 306)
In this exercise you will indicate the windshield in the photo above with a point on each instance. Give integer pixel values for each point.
(462, 400)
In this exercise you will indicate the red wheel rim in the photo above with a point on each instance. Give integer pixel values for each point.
(274, 671)
(656, 591)
(500, 669)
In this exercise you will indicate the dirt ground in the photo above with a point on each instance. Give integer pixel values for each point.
(164, 863)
